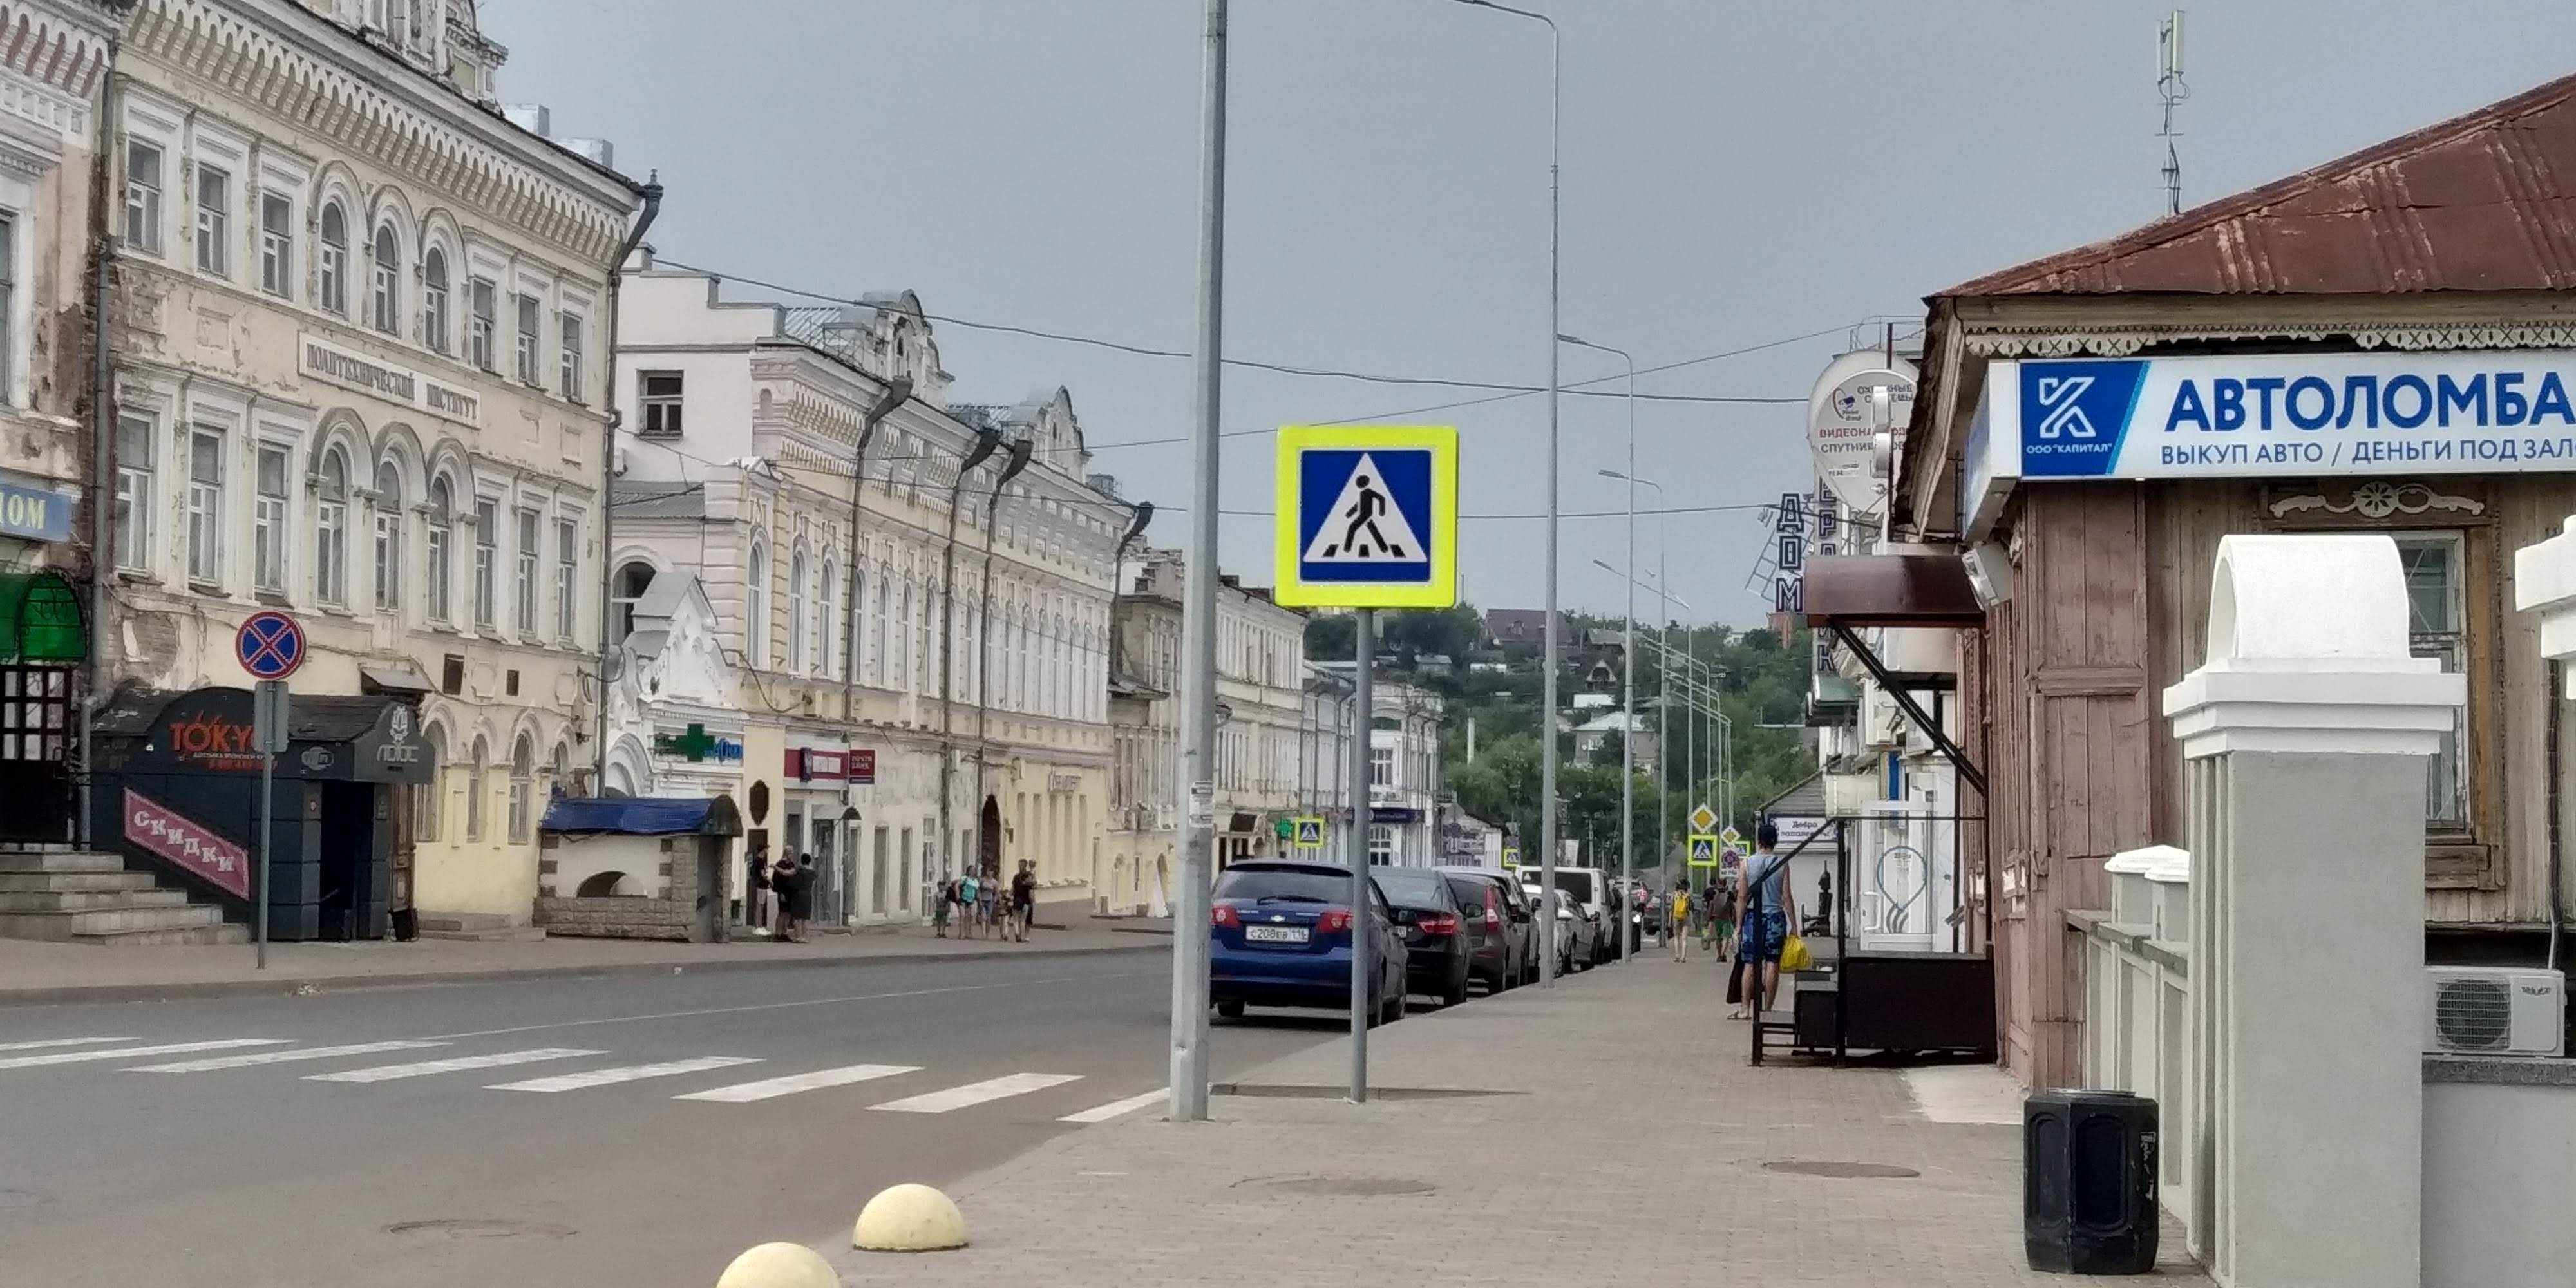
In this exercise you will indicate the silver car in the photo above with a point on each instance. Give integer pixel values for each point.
(1578, 936)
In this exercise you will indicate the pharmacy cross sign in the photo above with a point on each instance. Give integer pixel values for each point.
(269, 645)
(693, 743)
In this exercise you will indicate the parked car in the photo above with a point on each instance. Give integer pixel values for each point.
(1280, 934)
(1436, 938)
(1498, 925)
(1591, 888)
(1578, 936)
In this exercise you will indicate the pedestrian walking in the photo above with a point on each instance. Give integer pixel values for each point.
(1768, 910)
(1724, 913)
(1677, 922)
(967, 886)
(1707, 910)
(988, 903)
(784, 879)
(940, 902)
(1024, 899)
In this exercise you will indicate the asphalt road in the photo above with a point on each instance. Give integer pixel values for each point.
(277, 1159)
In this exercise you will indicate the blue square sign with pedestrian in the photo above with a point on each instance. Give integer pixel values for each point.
(1367, 516)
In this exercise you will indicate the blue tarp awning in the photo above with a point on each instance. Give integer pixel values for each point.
(642, 816)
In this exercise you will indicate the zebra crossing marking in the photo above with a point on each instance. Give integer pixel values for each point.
(976, 1093)
(629, 1073)
(389, 1072)
(213, 1063)
(43, 1043)
(1117, 1108)
(743, 1093)
(121, 1053)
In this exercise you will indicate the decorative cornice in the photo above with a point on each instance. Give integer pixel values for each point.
(2378, 499)
(220, 48)
(2121, 341)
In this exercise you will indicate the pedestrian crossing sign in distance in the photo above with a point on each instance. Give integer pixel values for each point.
(1310, 832)
(1367, 516)
(1703, 850)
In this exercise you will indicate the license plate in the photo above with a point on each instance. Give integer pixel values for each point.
(1275, 934)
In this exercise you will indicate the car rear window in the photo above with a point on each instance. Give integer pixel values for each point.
(1299, 885)
(1470, 892)
(1578, 884)
(1415, 888)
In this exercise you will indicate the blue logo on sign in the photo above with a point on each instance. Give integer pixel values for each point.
(1362, 514)
(2074, 415)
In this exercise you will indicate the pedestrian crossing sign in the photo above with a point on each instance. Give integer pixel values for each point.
(1310, 832)
(1367, 516)
(1511, 856)
(1703, 850)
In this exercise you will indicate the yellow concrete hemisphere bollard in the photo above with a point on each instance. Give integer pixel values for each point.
(780, 1265)
(909, 1218)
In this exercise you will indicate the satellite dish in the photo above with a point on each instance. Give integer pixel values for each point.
(1860, 397)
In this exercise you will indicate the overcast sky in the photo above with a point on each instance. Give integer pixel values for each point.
(1736, 173)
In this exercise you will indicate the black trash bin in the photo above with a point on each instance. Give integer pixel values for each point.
(2089, 1182)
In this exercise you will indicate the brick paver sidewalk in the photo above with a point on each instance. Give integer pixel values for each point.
(1623, 1144)
(34, 972)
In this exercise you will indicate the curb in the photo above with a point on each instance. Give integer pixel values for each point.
(302, 986)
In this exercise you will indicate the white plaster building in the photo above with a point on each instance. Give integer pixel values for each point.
(1404, 762)
(359, 376)
(741, 418)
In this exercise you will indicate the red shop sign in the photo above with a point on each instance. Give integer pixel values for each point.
(186, 842)
(861, 767)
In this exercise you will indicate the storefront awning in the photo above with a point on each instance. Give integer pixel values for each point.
(1890, 590)
(40, 619)
(642, 816)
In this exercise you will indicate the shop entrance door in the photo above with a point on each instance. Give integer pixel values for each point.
(36, 753)
(348, 896)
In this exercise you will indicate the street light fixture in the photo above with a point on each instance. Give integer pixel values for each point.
(1547, 684)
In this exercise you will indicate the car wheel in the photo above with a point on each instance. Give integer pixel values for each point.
(1457, 994)
(1230, 1010)
(1398, 1006)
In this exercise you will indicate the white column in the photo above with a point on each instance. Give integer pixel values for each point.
(2304, 740)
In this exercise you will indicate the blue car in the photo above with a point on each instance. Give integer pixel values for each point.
(1280, 935)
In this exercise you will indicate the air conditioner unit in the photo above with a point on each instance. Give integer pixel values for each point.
(2495, 1010)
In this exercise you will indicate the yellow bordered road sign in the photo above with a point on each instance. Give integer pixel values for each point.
(1703, 818)
(1703, 850)
(1310, 832)
(1366, 516)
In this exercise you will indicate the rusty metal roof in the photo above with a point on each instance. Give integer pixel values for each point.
(2482, 202)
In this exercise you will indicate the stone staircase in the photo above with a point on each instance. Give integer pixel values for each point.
(89, 898)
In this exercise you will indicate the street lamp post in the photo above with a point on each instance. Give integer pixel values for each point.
(1547, 685)
(1627, 663)
(1189, 1020)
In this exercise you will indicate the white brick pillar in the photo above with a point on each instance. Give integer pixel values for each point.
(2304, 743)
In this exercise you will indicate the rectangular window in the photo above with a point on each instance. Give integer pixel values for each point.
(1381, 766)
(8, 306)
(276, 244)
(1381, 843)
(389, 536)
(479, 294)
(659, 392)
(526, 555)
(206, 508)
(268, 522)
(2436, 599)
(438, 572)
(567, 577)
(571, 373)
(487, 553)
(134, 493)
(214, 221)
(143, 196)
(529, 322)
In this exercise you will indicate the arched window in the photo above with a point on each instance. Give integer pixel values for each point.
(428, 800)
(903, 671)
(389, 537)
(474, 788)
(827, 628)
(796, 634)
(442, 536)
(756, 608)
(331, 529)
(877, 634)
(335, 259)
(433, 298)
(523, 784)
(387, 310)
(633, 579)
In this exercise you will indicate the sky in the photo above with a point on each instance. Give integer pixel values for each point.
(1735, 175)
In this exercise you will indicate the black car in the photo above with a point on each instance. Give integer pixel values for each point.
(1501, 948)
(1436, 937)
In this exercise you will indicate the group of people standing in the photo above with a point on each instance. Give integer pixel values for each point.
(982, 901)
(781, 893)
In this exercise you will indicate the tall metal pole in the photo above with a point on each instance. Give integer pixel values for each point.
(267, 833)
(1198, 615)
(1356, 845)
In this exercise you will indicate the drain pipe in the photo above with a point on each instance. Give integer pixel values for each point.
(651, 192)
(102, 412)
(2557, 865)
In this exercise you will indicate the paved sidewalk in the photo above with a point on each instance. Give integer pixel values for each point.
(1625, 1142)
(34, 973)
